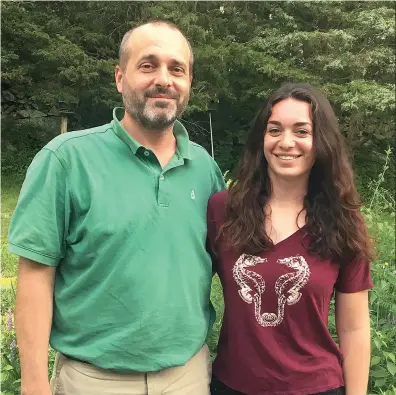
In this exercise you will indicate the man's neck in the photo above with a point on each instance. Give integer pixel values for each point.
(156, 140)
(161, 142)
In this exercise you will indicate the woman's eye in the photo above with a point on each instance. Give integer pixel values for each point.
(273, 131)
(302, 132)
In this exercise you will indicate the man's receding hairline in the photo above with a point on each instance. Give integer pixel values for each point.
(123, 52)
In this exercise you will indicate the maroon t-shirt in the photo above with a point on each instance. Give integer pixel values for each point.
(274, 337)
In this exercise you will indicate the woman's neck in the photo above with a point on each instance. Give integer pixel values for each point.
(286, 192)
(284, 211)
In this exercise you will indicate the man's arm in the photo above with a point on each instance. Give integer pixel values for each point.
(34, 303)
(353, 330)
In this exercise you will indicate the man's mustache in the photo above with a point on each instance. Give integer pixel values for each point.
(162, 91)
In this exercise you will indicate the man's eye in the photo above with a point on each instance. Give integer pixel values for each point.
(147, 66)
(178, 70)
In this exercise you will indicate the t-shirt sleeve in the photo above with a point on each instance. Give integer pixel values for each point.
(354, 277)
(39, 223)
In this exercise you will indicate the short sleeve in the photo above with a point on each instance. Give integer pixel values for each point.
(354, 277)
(218, 183)
(39, 223)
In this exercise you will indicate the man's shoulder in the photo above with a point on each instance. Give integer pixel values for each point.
(207, 165)
(199, 152)
(196, 148)
(70, 139)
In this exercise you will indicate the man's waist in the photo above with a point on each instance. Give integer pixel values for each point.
(132, 359)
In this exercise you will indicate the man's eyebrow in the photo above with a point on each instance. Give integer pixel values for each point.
(148, 57)
(295, 124)
(176, 62)
(153, 58)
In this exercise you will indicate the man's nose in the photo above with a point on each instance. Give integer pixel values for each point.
(163, 77)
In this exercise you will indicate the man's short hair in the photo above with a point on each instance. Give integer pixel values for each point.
(124, 53)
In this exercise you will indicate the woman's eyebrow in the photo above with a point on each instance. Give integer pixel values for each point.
(295, 124)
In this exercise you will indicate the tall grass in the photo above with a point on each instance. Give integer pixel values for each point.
(10, 188)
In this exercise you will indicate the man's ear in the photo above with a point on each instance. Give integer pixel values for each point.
(118, 74)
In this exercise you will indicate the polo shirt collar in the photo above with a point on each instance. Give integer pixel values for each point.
(179, 131)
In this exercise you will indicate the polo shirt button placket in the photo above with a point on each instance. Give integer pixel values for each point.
(162, 200)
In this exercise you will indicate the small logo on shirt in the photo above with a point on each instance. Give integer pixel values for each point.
(192, 194)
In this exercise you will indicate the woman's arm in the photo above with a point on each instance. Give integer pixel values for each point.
(353, 330)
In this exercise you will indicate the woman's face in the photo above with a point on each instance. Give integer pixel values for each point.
(288, 140)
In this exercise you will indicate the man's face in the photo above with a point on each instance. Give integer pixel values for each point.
(155, 82)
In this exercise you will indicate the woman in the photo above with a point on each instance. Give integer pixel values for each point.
(286, 236)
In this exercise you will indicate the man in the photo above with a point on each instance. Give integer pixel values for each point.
(110, 228)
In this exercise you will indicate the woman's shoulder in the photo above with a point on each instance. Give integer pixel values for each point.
(217, 207)
(219, 199)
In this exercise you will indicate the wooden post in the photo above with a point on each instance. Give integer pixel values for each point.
(63, 124)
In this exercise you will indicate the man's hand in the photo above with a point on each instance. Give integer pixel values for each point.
(36, 389)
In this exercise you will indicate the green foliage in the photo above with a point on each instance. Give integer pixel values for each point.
(16, 161)
(217, 300)
(369, 162)
(10, 368)
(383, 334)
(10, 188)
(380, 217)
(380, 196)
(10, 365)
(243, 50)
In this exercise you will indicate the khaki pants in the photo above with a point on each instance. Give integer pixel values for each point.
(72, 377)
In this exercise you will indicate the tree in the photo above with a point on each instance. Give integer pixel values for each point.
(243, 51)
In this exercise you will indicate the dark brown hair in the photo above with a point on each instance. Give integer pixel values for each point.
(334, 223)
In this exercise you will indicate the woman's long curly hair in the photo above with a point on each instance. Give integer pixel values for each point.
(334, 223)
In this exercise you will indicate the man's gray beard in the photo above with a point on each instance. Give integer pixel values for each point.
(136, 108)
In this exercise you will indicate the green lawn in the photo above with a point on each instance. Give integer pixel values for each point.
(9, 195)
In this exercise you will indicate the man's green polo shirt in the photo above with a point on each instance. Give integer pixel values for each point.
(128, 238)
